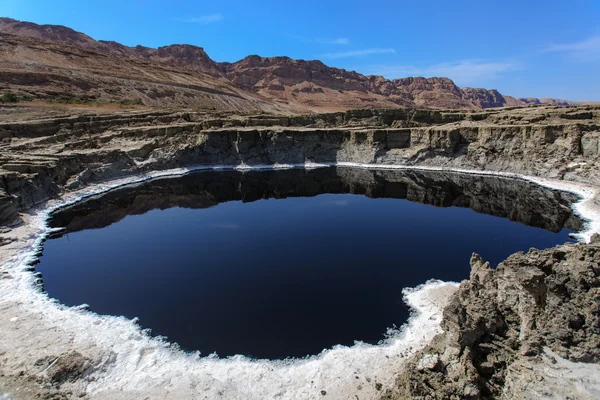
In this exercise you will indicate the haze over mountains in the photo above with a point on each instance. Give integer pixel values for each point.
(48, 61)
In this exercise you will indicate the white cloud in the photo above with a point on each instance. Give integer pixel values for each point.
(585, 50)
(358, 53)
(204, 19)
(339, 41)
(463, 73)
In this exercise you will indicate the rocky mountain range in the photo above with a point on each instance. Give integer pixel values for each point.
(50, 62)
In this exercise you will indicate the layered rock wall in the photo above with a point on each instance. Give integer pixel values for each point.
(40, 159)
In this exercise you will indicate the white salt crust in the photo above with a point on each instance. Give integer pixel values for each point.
(133, 364)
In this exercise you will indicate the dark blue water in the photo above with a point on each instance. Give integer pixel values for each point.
(272, 278)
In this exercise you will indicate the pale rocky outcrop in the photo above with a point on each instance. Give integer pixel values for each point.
(533, 307)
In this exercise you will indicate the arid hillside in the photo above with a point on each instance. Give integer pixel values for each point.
(57, 63)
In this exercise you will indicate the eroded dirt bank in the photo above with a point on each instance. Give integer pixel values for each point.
(503, 328)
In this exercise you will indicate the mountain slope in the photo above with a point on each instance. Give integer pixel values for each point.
(48, 61)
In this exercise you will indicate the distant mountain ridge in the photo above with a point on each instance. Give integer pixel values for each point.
(49, 60)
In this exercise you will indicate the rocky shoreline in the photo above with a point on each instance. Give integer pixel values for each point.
(502, 328)
(511, 325)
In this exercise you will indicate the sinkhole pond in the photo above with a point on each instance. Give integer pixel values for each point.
(286, 263)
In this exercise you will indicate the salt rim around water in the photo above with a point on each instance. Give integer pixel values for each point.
(134, 362)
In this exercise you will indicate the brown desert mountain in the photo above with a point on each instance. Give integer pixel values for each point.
(50, 61)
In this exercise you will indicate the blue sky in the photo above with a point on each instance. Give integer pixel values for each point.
(538, 48)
